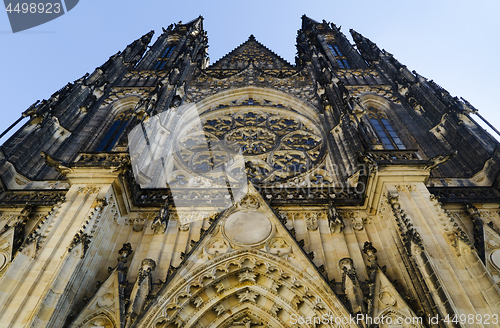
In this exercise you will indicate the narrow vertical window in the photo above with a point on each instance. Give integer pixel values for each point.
(115, 131)
(339, 56)
(164, 56)
(386, 133)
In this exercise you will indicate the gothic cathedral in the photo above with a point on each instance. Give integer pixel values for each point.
(163, 191)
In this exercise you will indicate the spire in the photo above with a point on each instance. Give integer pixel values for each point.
(196, 23)
(369, 50)
(134, 51)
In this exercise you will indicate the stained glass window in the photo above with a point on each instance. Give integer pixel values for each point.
(115, 131)
(339, 56)
(386, 133)
(165, 55)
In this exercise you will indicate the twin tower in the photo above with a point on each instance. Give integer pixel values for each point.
(163, 191)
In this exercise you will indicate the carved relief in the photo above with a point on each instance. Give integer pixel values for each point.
(335, 222)
(216, 246)
(312, 221)
(278, 246)
(247, 276)
(249, 202)
(387, 299)
(248, 295)
(357, 222)
(106, 301)
(140, 221)
(219, 309)
(88, 190)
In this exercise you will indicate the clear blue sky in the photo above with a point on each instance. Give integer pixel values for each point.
(455, 43)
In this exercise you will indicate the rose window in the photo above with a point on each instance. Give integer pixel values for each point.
(264, 143)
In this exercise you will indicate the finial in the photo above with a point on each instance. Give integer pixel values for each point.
(251, 37)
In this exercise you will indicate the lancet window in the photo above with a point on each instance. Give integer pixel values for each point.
(115, 131)
(384, 130)
(165, 55)
(339, 56)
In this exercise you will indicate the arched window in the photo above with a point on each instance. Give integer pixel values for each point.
(165, 55)
(115, 131)
(384, 130)
(339, 56)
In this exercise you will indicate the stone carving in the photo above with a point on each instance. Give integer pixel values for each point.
(3, 260)
(219, 309)
(275, 309)
(335, 222)
(247, 322)
(107, 300)
(278, 246)
(247, 295)
(387, 299)
(356, 220)
(140, 221)
(275, 286)
(219, 287)
(216, 246)
(312, 221)
(88, 190)
(318, 304)
(99, 323)
(80, 238)
(357, 223)
(160, 222)
(247, 276)
(198, 301)
(275, 146)
(249, 202)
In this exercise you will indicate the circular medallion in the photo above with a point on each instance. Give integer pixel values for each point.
(247, 227)
(386, 298)
(3, 260)
(495, 257)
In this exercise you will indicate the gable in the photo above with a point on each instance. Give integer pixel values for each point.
(247, 268)
(251, 52)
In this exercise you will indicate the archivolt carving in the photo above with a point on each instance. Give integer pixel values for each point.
(255, 274)
(98, 319)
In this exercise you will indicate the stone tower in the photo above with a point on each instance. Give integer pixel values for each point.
(162, 191)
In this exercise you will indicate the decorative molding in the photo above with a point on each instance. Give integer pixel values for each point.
(33, 197)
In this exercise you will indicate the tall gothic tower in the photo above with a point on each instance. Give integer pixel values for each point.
(161, 191)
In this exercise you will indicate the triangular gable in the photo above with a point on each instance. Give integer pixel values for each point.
(6, 249)
(492, 250)
(253, 52)
(103, 309)
(389, 303)
(246, 267)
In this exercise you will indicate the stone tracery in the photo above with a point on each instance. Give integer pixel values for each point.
(275, 144)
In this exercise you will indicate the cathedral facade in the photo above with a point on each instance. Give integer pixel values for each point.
(163, 191)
